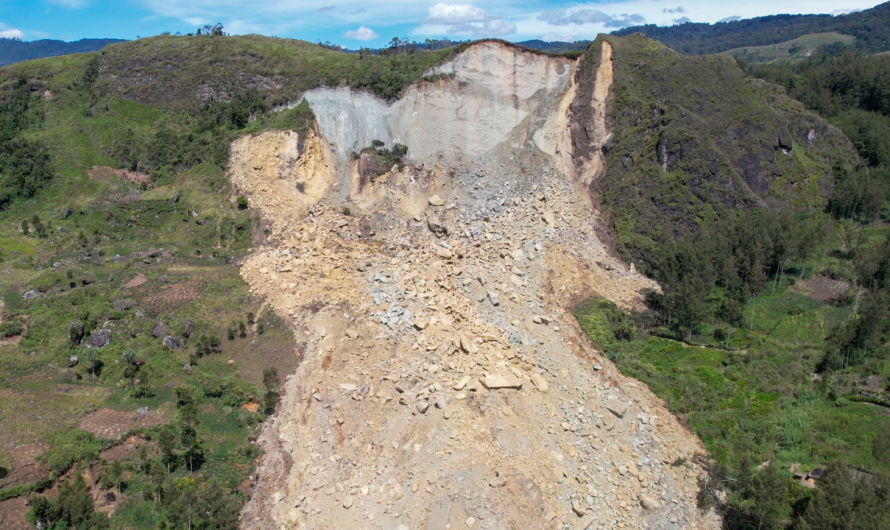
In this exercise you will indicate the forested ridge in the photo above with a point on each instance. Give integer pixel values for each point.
(871, 27)
(773, 378)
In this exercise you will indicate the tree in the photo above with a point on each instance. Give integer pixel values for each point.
(25, 228)
(72, 508)
(167, 444)
(272, 384)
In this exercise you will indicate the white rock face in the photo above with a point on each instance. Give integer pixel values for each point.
(497, 93)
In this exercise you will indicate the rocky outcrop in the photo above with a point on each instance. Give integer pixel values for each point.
(282, 171)
(444, 382)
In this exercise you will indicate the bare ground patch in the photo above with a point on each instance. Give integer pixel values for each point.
(111, 424)
(25, 469)
(107, 174)
(824, 289)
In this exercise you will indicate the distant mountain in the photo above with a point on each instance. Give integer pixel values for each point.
(871, 28)
(14, 50)
(556, 46)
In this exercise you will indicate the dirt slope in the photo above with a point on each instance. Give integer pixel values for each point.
(444, 381)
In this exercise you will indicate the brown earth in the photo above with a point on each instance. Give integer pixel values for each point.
(25, 469)
(823, 288)
(111, 424)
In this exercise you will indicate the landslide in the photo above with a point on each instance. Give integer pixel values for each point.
(443, 381)
(692, 139)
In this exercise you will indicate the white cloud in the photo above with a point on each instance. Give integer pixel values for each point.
(679, 9)
(681, 20)
(442, 13)
(729, 19)
(11, 34)
(362, 33)
(565, 17)
(572, 36)
(463, 19)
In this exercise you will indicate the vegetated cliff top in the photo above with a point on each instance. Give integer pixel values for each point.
(14, 50)
(182, 72)
(695, 139)
(871, 27)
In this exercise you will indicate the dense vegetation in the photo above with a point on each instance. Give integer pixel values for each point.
(772, 380)
(116, 216)
(695, 140)
(15, 50)
(870, 27)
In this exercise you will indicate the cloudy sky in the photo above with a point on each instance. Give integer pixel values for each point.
(374, 23)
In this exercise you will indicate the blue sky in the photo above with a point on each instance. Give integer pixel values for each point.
(374, 23)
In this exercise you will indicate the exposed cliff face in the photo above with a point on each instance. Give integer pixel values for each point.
(489, 95)
(444, 381)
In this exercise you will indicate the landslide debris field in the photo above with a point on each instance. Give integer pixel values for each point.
(343, 291)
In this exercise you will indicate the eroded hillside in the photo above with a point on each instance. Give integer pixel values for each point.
(444, 382)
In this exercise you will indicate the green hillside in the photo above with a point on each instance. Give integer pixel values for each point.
(115, 214)
(792, 50)
(694, 140)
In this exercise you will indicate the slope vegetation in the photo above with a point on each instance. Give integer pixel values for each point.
(692, 139)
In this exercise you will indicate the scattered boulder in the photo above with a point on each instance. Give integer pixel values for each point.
(99, 339)
(648, 502)
(75, 331)
(435, 200)
(495, 381)
(174, 343)
(73, 360)
(123, 305)
(494, 298)
(437, 227)
(159, 330)
(30, 294)
(540, 383)
(188, 327)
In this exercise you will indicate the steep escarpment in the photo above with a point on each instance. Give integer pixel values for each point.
(444, 382)
(692, 139)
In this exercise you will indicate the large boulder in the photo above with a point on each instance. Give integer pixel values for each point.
(99, 339)
(159, 330)
(174, 343)
(188, 327)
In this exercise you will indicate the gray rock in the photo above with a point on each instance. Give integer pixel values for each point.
(174, 343)
(140, 313)
(188, 327)
(142, 410)
(75, 331)
(159, 330)
(73, 360)
(30, 294)
(123, 305)
(437, 227)
(99, 339)
(422, 406)
(495, 299)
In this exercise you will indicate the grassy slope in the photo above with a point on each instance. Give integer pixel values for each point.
(116, 227)
(751, 391)
(789, 51)
(719, 130)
